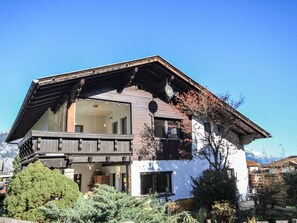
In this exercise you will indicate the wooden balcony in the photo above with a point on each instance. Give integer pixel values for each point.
(75, 147)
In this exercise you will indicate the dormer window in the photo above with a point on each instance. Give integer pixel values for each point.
(167, 128)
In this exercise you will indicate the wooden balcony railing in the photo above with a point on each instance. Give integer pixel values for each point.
(81, 147)
(174, 150)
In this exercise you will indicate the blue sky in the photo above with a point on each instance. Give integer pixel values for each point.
(246, 47)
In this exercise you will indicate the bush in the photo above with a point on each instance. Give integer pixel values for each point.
(214, 186)
(37, 186)
(290, 182)
(222, 211)
(173, 208)
(106, 204)
(187, 204)
(267, 197)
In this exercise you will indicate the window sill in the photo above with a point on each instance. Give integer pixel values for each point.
(169, 139)
(160, 195)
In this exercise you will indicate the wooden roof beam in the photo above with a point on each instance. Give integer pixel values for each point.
(76, 89)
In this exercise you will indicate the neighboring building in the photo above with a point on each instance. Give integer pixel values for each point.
(259, 174)
(252, 166)
(285, 165)
(88, 124)
(256, 176)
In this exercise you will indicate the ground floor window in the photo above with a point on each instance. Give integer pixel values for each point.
(156, 182)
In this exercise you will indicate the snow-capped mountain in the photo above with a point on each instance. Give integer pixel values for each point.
(7, 151)
(259, 157)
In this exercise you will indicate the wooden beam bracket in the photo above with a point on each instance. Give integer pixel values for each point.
(115, 145)
(80, 144)
(75, 91)
(60, 144)
(39, 143)
(128, 81)
(98, 145)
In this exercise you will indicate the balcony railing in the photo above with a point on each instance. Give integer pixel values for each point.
(174, 150)
(81, 147)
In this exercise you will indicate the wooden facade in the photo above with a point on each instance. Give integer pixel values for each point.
(139, 100)
(86, 147)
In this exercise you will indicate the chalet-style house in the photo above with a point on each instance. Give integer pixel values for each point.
(285, 165)
(89, 124)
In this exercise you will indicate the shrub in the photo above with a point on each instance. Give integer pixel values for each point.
(214, 186)
(187, 204)
(222, 211)
(173, 208)
(267, 197)
(36, 186)
(202, 215)
(290, 180)
(106, 204)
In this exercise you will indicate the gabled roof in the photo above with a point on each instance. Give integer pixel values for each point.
(153, 72)
(290, 160)
(251, 163)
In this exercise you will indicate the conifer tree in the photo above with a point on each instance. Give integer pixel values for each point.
(36, 186)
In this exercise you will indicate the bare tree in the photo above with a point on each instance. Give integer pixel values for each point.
(216, 113)
(149, 143)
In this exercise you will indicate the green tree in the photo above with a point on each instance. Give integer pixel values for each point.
(268, 195)
(212, 186)
(17, 166)
(290, 180)
(36, 186)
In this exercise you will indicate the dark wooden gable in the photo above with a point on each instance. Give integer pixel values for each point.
(151, 73)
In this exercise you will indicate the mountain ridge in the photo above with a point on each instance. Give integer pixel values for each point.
(7, 152)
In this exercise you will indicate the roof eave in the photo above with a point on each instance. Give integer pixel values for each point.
(120, 66)
(28, 96)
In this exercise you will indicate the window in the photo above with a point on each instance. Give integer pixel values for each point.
(79, 128)
(124, 125)
(124, 182)
(115, 128)
(207, 127)
(165, 128)
(230, 172)
(155, 182)
(220, 129)
(98, 116)
(77, 179)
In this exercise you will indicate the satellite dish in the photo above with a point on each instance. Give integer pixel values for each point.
(169, 91)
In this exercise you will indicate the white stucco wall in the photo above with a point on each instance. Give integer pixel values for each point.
(253, 168)
(238, 163)
(183, 171)
(86, 170)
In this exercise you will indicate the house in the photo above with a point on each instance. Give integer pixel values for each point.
(271, 172)
(285, 165)
(256, 175)
(252, 166)
(90, 124)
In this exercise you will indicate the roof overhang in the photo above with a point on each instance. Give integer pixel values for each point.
(154, 72)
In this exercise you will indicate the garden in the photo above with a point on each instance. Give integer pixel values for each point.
(39, 194)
